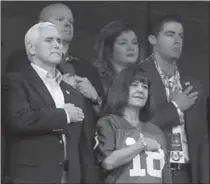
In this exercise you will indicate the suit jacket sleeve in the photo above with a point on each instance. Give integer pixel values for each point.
(204, 140)
(166, 116)
(86, 69)
(89, 170)
(98, 84)
(18, 113)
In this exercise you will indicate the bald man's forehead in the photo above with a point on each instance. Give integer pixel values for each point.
(61, 11)
(55, 11)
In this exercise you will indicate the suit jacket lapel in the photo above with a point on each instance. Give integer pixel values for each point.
(38, 86)
(67, 92)
(71, 95)
(157, 87)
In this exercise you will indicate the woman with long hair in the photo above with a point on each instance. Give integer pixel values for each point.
(116, 48)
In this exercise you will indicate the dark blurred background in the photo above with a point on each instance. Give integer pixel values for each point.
(91, 16)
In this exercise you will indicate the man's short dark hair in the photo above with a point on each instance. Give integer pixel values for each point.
(158, 24)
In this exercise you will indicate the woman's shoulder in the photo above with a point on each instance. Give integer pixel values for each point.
(111, 120)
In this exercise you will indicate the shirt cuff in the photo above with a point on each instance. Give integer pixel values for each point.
(68, 117)
(180, 113)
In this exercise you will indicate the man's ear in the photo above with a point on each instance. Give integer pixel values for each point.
(152, 39)
(31, 49)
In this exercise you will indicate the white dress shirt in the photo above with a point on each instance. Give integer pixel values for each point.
(53, 86)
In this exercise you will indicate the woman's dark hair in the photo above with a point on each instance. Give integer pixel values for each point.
(104, 48)
(117, 98)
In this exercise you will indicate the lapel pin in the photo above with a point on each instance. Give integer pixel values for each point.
(67, 92)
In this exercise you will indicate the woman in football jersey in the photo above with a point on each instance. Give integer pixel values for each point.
(116, 48)
(129, 148)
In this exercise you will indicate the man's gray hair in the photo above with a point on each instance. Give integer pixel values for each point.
(33, 35)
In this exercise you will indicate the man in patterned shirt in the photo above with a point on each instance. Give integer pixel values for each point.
(178, 104)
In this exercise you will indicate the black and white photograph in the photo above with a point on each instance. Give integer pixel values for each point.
(104, 92)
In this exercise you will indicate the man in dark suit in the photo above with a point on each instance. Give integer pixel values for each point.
(178, 104)
(88, 82)
(44, 117)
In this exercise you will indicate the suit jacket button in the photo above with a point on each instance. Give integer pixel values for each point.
(60, 142)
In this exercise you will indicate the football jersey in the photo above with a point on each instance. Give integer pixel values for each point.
(114, 133)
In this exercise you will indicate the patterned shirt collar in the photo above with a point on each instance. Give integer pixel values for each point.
(162, 74)
(172, 83)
